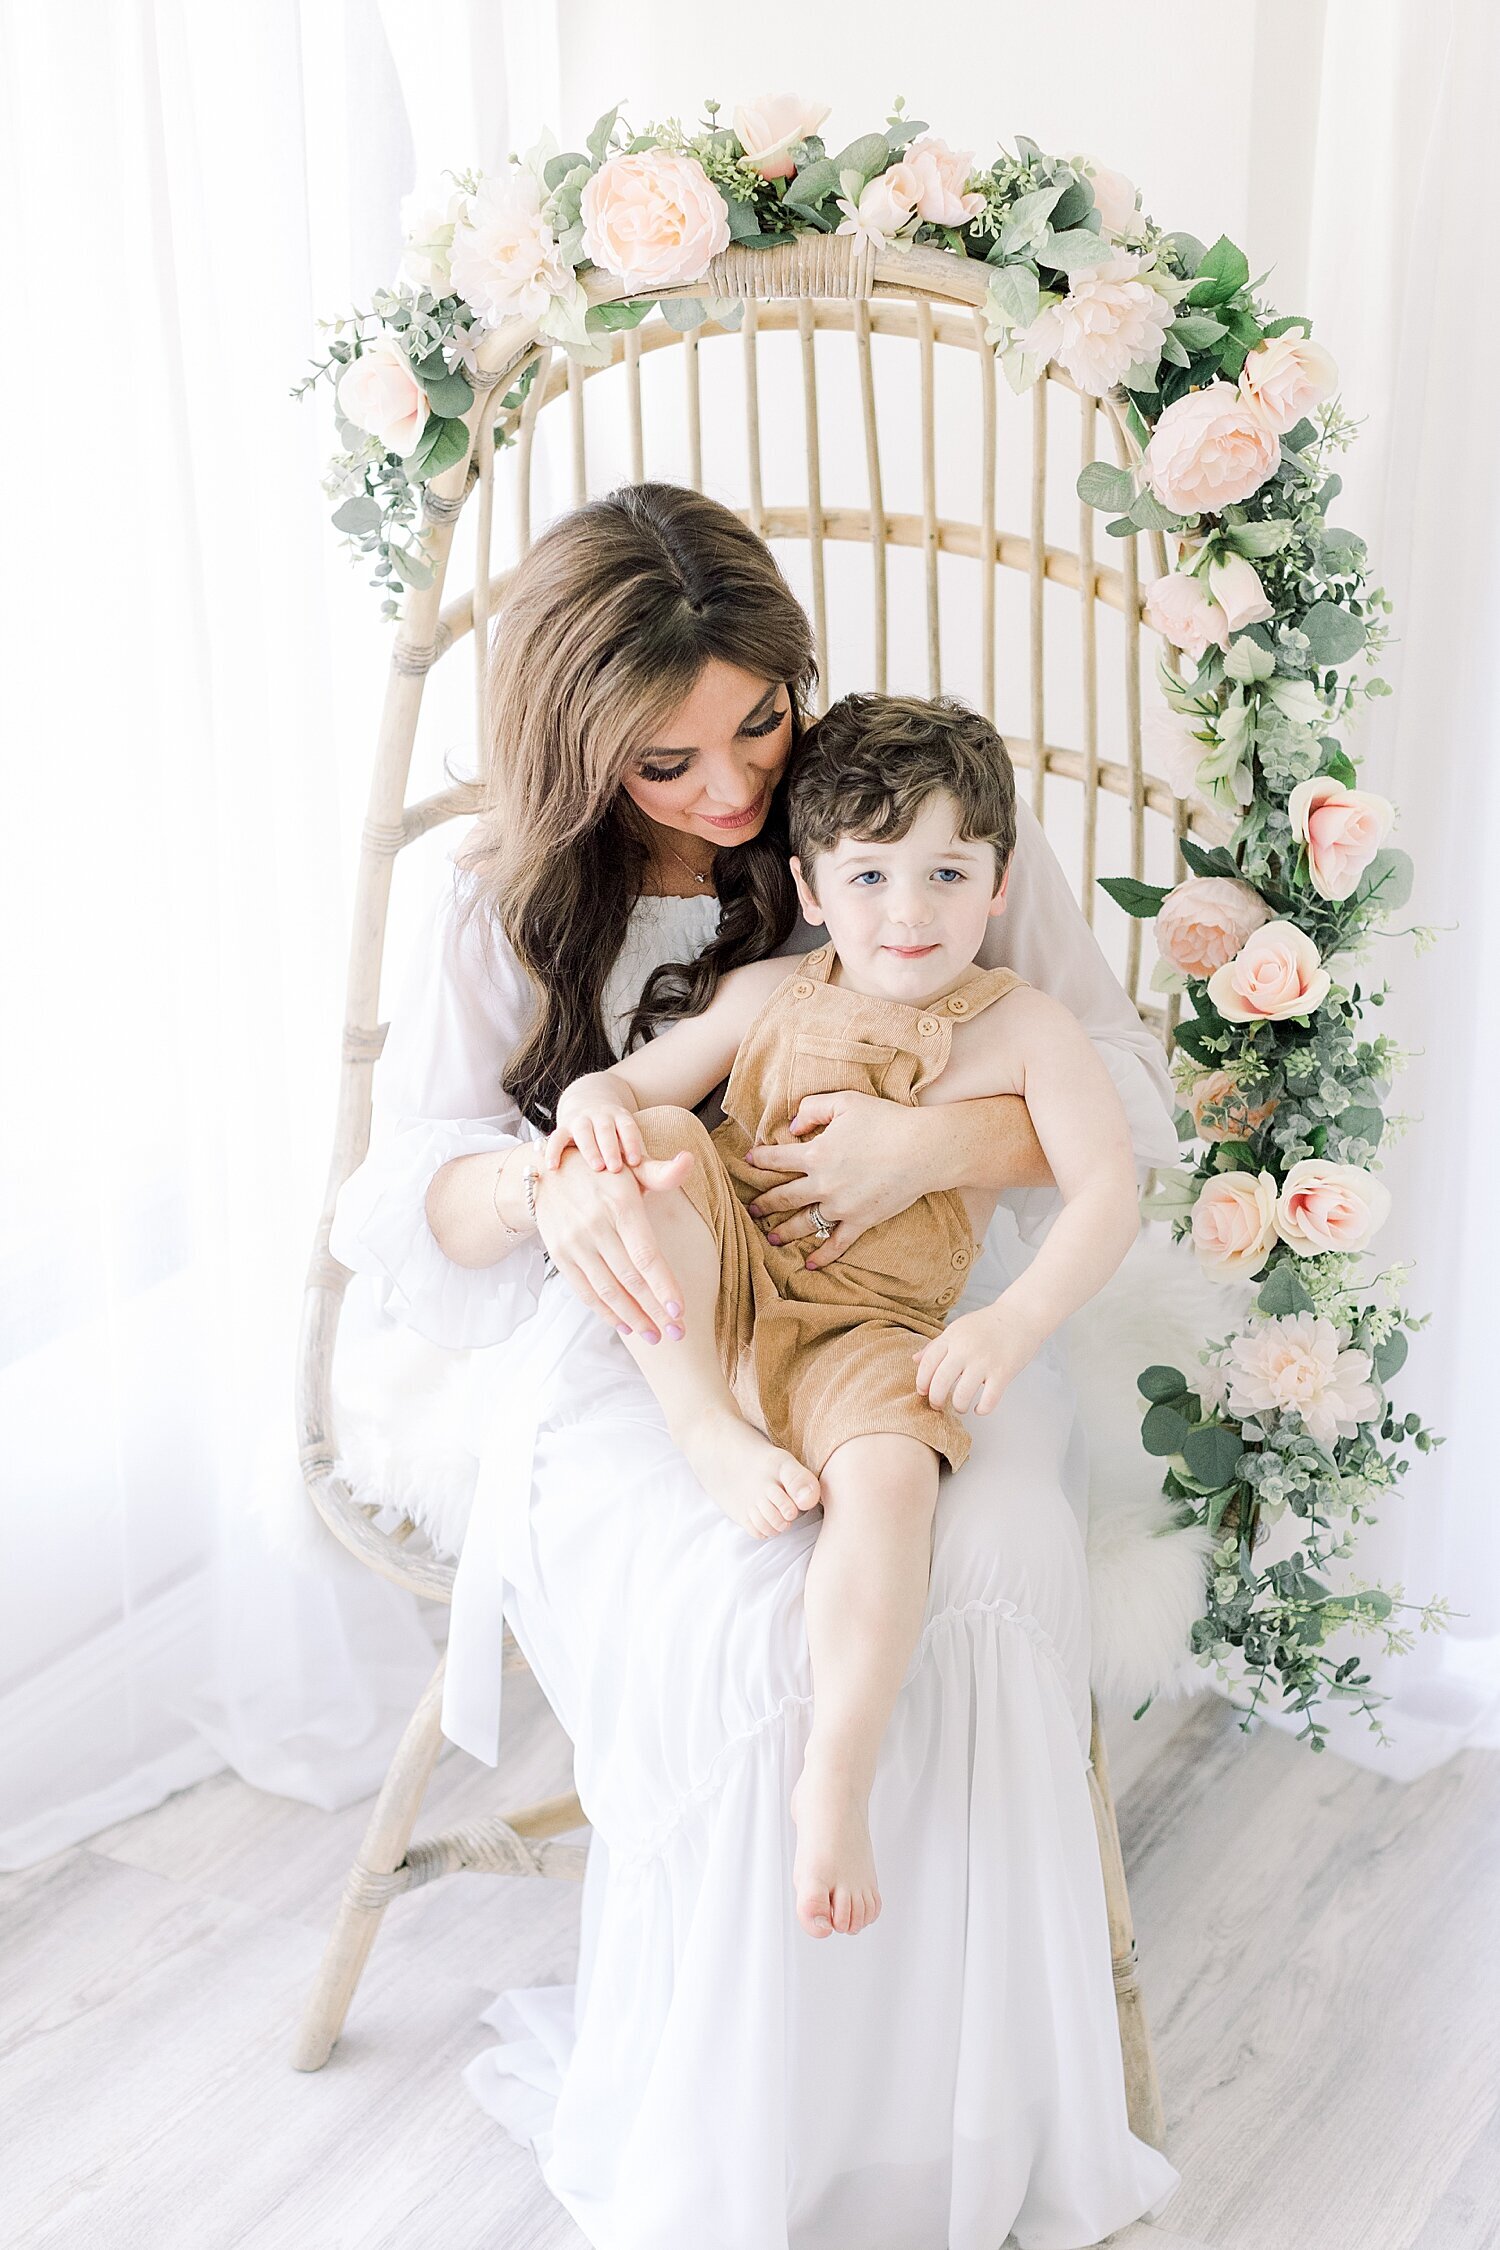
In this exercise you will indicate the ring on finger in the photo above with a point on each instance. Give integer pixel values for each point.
(820, 1225)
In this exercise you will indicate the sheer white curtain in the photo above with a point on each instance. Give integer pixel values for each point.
(192, 691)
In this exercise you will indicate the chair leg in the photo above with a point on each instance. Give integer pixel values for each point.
(383, 1849)
(1142, 2092)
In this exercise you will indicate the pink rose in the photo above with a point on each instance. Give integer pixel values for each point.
(1330, 1207)
(1294, 1366)
(378, 392)
(1276, 973)
(1109, 322)
(655, 219)
(1221, 1112)
(1234, 1224)
(1236, 587)
(1342, 828)
(1208, 450)
(1205, 922)
(771, 125)
(1184, 612)
(1116, 199)
(886, 204)
(941, 174)
(1285, 377)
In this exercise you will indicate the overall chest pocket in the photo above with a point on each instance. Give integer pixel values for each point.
(840, 1066)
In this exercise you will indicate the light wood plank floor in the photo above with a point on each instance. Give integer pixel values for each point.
(1320, 1948)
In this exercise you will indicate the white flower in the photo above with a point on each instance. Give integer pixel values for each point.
(1110, 321)
(1293, 1365)
(506, 261)
(428, 217)
(1171, 748)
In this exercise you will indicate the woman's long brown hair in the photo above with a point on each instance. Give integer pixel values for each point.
(605, 628)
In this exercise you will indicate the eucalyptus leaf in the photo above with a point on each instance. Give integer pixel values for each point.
(870, 154)
(1387, 879)
(1212, 1455)
(743, 219)
(362, 513)
(1164, 1430)
(450, 395)
(609, 318)
(1283, 1292)
(1173, 351)
(1148, 514)
(598, 140)
(1161, 1383)
(557, 168)
(683, 313)
(1190, 251)
(1389, 1358)
(813, 184)
(1361, 1121)
(1102, 485)
(1333, 636)
(1300, 435)
(1015, 293)
(1074, 251)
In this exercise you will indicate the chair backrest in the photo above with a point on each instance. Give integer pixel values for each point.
(929, 519)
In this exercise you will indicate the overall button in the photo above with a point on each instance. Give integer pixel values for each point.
(927, 1025)
(958, 1005)
(802, 990)
(945, 1296)
(960, 1259)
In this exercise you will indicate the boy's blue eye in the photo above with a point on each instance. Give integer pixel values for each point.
(949, 874)
(870, 875)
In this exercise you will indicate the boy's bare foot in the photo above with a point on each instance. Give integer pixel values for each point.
(834, 1870)
(757, 1485)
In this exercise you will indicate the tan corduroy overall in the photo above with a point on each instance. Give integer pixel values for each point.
(827, 1355)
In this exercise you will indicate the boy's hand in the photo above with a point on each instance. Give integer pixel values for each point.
(975, 1360)
(604, 1133)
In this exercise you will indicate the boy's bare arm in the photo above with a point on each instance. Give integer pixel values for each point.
(680, 1066)
(1035, 1047)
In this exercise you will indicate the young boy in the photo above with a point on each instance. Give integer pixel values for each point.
(902, 822)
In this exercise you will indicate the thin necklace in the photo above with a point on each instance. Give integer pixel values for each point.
(684, 865)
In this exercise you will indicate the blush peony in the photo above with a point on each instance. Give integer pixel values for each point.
(1110, 321)
(1327, 1207)
(1234, 1224)
(1276, 973)
(1294, 1366)
(505, 258)
(773, 124)
(654, 218)
(1342, 828)
(1184, 612)
(1209, 449)
(1205, 922)
(378, 392)
(1285, 378)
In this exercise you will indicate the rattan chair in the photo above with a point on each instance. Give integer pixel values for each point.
(824, 296)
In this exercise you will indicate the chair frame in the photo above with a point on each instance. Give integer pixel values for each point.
(819, 282)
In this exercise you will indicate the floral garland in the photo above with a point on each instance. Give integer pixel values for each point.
(1268, 613)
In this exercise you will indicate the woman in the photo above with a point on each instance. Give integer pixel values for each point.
(719, 2078)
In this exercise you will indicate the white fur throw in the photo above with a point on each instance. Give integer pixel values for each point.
(403, 1405)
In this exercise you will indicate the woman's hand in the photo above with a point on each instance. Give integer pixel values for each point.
(976, 1359)
(872, 1158)
(596, 1231)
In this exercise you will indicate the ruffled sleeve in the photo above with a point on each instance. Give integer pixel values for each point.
(437, 1095)
(1044, 938)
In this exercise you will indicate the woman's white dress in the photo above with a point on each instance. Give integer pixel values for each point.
(717, 2080)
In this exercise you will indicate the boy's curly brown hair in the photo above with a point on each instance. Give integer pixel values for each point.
(867, 767)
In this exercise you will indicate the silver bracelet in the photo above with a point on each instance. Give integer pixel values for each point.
(532, 1174)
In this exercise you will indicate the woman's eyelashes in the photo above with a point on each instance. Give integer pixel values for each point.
(675, 773)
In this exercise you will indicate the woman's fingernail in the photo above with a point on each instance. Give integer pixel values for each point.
(621, 1329)
(774, 1238)
(674, 1310)
(754, 1210)
(674, 1332)
(651, 1335)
